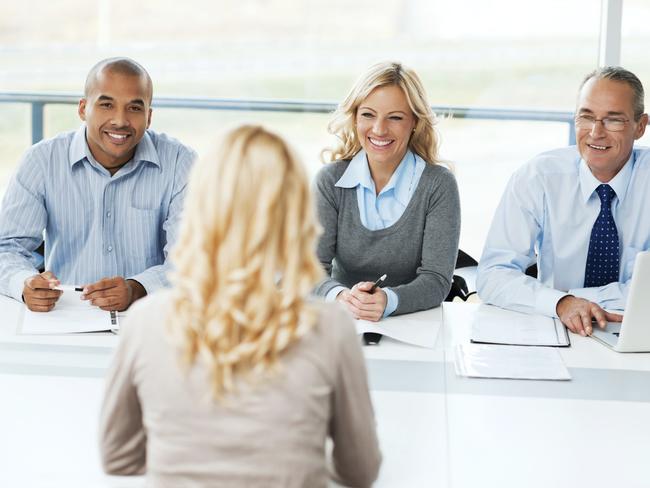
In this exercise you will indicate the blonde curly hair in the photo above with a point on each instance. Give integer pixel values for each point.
(245, 260)
(424, 141)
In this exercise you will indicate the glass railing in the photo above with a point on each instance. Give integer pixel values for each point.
(38, 101)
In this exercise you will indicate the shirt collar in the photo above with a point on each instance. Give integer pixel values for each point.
(78, 147)
(79, 150)
(358, 173)
(620, 182)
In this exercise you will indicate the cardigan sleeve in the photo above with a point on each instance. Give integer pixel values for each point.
(327, 207)
(439, 248)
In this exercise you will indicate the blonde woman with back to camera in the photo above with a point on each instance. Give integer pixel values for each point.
(385, 204)
(233, 377)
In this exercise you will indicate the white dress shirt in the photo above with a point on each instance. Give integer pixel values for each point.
(546, 215)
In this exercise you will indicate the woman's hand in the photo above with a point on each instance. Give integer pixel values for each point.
(362, 304)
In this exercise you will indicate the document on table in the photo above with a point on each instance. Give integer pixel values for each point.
(493, 325)
(70, 315)
(419, 332)
(512, 362)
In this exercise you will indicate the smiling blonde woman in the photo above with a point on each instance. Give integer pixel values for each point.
(233, 377)
(385, 204)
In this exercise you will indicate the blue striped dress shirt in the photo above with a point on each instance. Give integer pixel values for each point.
(95, 225)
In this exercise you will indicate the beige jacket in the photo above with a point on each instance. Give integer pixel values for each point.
(158, 419)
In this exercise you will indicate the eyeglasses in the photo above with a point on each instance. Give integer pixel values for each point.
(612, 124)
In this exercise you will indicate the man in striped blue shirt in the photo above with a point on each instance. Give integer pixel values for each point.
(106, 199)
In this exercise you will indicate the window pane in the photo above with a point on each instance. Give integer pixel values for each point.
(501, 54)
(634, 45)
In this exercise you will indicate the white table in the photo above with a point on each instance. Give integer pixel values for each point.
(592, 431)
(436, 429)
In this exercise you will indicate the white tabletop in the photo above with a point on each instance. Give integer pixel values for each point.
(436, 429)
(590, 431)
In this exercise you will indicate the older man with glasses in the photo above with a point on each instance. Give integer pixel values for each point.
(581, 213)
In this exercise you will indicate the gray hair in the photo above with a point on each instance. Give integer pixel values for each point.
(120, 65)
(616, 73)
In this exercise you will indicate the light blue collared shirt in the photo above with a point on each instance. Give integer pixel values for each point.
(549, 208)
(96, 225)
(383, 210)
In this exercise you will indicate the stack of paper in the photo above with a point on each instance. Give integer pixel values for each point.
(493, 325)
(515, 362)
(418, 332)
(70, 315)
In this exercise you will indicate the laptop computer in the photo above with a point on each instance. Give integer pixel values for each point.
(633, 334)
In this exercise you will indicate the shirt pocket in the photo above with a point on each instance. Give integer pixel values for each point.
(147, 199)
(145, 236)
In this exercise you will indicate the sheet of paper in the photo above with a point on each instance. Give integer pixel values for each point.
(493, 325)
(513, 362)
(420, 332)
(70, 315)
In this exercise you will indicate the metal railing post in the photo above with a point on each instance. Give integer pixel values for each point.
(37, 121)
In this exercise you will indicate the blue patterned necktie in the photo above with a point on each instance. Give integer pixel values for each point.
(603, 255)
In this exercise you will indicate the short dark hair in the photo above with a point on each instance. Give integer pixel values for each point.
(120, 65)
(616, 73)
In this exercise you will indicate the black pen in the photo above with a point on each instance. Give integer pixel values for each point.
(379, 281)
(373, 338)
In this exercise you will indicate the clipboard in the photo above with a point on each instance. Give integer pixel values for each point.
(493, 325)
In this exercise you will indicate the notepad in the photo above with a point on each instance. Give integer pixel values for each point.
(493, 325)
(509, 362)
(419, 332)
(70, 315)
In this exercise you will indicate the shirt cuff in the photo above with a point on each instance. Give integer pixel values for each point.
(17, 283)
(331, 295)
(590, 294)
(151, 279)
(391, 302)
(546, 301)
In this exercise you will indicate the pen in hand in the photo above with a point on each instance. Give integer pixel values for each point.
(377, 283)
(68, 288)
(373, 338)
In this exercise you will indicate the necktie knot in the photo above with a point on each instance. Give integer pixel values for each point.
(606, 194)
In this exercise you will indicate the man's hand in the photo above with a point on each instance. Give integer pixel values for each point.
(577, 314)
(113, 293)
(38, 294)
(364, 305)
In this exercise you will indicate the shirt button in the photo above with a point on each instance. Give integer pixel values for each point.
(110, 248)
(108, 214)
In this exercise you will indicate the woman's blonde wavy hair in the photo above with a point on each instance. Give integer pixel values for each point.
(245, 260)
(424, 140)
